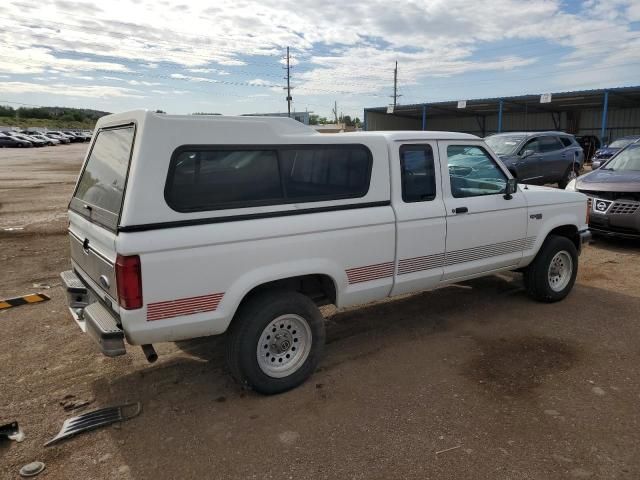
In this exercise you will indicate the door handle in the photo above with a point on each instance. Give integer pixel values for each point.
(460, 210)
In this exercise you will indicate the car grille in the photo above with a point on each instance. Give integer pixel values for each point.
(620, 196)
(622, 208)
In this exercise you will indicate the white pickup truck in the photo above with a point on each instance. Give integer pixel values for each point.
(187, 226)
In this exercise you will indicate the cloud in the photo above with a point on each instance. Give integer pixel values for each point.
(258, 82)
(347, 48)
(93, 91)
(144, 83)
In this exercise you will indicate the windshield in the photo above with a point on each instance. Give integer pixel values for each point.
(628, 159)
(622, 142)
(504, 144)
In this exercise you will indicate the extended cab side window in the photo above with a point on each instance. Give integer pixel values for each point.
(210, 178)
(417, 173)
(473, 173)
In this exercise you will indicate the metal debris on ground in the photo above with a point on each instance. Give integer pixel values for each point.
(96, 419)
(11, 431)
(448, 449)
(32, 469)
(24, 300)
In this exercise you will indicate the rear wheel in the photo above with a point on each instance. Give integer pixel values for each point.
(275, 341)
(552, 274)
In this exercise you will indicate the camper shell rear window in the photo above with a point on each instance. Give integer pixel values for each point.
(100, 190)
(205, 178)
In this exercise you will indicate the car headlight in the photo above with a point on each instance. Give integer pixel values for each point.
(571, 186)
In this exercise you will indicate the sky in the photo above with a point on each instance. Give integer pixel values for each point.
(227, 57)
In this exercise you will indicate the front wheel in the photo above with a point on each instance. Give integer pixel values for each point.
(552, 274)
(275, 341)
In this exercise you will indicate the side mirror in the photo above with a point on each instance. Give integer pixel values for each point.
(527, 153)
(511, 188)
(595, 164)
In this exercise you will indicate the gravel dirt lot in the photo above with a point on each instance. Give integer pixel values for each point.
(470, 381)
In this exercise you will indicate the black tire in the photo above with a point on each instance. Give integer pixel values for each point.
(567, 177)
(249, 323)
(536, 275)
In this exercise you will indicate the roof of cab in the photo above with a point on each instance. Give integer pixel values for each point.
(279, 125)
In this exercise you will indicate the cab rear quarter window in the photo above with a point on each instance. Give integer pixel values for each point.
(100, 191)
(203, 178)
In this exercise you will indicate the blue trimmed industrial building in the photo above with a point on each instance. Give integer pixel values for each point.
(606, 113)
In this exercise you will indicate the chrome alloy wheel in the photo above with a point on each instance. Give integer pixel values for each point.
(284, 345)
(560, 271)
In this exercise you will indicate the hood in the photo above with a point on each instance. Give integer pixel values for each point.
(609, 180)
(538, 195)
(605, 152)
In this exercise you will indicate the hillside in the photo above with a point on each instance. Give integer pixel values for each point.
(50, 117)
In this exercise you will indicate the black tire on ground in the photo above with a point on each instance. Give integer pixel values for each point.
(245, 331)
(568, 175)
(537, 278)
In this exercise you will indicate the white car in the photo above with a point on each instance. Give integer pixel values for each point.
(187, 226)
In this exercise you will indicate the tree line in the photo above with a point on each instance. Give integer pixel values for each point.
(53, 113)
(346, 119)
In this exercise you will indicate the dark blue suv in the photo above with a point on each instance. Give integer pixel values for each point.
(539, 157)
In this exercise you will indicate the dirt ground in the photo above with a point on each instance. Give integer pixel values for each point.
(470, 381)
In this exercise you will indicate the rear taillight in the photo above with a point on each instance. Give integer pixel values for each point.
(129, 281)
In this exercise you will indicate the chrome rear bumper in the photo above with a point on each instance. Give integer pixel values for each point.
(92, 316)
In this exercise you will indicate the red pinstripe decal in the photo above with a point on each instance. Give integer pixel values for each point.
(370, 272)
(183, 306)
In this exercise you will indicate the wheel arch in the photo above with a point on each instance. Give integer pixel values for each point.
(319, 284)
(568, 231)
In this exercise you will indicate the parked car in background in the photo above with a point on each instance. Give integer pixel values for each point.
(589, 144)
(26, 138)
(539, 157)
(82, 135)
(605, 153)
(35, 141)
(72, 138)
(61, 138)
(614, 194)
(75, 136)
(48, 140)
(188, 226)
(11, 141)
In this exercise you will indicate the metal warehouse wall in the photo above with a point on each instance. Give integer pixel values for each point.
(383, 121)
(620, 122)
(588, 121)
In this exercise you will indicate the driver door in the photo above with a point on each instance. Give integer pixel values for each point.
(485, 230)
(529, 168)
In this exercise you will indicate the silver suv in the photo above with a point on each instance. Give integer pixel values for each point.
(539, 157)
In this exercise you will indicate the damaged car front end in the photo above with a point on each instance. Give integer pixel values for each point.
(614, 194)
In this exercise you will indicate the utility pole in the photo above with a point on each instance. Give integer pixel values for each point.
(335, 111)
(395, 95)
(288, 77)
